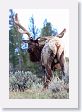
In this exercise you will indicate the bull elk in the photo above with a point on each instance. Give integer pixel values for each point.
(45, 53)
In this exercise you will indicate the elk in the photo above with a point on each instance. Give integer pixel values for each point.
(48, 54)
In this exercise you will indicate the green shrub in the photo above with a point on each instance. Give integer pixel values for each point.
(23, 80)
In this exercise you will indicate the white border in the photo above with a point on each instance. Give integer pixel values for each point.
(72, 102)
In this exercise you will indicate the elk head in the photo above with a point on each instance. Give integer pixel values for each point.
(33, 45)
(34, 50)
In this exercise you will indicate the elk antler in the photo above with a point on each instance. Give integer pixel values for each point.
(19, 26)
(62, 33)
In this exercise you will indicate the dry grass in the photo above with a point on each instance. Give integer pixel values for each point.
(30, 94)
(39, 94)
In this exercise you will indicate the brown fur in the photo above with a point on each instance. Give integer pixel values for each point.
(44, 55)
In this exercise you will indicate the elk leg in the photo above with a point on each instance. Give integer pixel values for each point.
(48, 76)
(62, 63)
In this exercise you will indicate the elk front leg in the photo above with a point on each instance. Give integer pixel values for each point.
(48, 76)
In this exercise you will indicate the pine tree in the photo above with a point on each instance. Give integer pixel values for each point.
(47, 29)
(14, 41)
(33, 29)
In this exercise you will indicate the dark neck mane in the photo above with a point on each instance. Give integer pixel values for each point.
(36, 56)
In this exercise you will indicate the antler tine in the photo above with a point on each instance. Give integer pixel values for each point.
(62, 33)
(19, 26)
(16, 18)
(17, 22)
